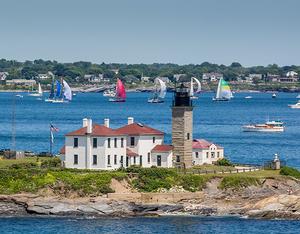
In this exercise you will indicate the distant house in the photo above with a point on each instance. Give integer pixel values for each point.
(205, 152)
(145, 78)
(212, 76)
(164, 79)
(93, 78)
(291, 74)
(251, 77)
(21, 82)
(3, 75)
(291, 77)
(177, 77)
(272, 77)
(44, 76)
(116, 71)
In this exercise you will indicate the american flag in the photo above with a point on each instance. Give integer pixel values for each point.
(53, 129)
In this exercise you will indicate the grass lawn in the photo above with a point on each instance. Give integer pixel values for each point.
(4, 163)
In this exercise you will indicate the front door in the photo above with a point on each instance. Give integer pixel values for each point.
(159, 160)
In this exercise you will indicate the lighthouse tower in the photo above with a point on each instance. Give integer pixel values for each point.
(182, 127)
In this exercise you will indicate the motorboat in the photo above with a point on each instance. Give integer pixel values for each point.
(269, 126)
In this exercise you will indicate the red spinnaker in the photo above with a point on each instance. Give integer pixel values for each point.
(121, 93)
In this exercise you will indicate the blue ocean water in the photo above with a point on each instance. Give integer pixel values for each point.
(179, 224)
(219, 122)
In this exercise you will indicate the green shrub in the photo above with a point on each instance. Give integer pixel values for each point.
(25, 165)
(237, 182)
(224, 162)
(289, 171)
(51, 163)
(193, 183)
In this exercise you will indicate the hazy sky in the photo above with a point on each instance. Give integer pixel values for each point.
(252, 32)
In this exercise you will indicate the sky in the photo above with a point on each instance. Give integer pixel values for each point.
(252, 32)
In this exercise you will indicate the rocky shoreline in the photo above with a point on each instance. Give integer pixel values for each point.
(273, 199)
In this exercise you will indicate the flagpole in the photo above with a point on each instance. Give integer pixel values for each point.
(50, 140)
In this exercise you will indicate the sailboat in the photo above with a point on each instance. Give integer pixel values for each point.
(159, 93)
(51, 94)
(192, 93)
(37, 94)
(63, 92)
(223, 92)
(120, 93)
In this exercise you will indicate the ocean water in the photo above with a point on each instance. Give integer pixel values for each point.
(219, 122)
(179, 224)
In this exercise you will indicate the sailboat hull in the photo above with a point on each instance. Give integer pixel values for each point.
(116, 100)
(35, 95)
(155, 100)
(220, 99)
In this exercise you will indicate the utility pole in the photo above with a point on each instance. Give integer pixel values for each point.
(13, 123)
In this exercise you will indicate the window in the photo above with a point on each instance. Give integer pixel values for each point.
(75, 142)
(141, 160)
(212, 154)
(75, 159)
(122, 142)
(197, 154)
(134, 160)
(206, 154)
(115, 142)
(94, 142)
(149, 157)
(218, 154)
(108, 159)
(158, 160)
(121, 161)
(108, 142)
(94, 159)
(188, 136)
(153, 139)
(115, 159)
(132, 141)
(177, 158)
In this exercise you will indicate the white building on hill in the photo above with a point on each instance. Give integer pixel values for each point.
(100, 147)
(205, 152)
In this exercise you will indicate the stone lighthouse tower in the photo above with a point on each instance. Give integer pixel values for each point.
(182, 127)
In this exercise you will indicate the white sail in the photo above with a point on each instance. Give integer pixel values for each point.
(163, 88)
(198, 84)
(298, 96)
(40, 90)
(67, 91)
(218, 95)
(192, 88)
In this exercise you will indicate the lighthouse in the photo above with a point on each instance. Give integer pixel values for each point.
(182, 127)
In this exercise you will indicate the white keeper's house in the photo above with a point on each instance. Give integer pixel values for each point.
(97, 146)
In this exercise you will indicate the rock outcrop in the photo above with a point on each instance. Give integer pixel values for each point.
(272, 199)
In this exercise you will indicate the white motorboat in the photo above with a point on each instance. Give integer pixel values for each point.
(19, 95)
(274, 95)
(248, 97)
(295, 106)
(109, 93)
(269, 126)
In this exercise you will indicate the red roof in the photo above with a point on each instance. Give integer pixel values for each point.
(98, 130)
(162, 148)
(203, 144)
(130, 153)
(63, 150)
(138, 129)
